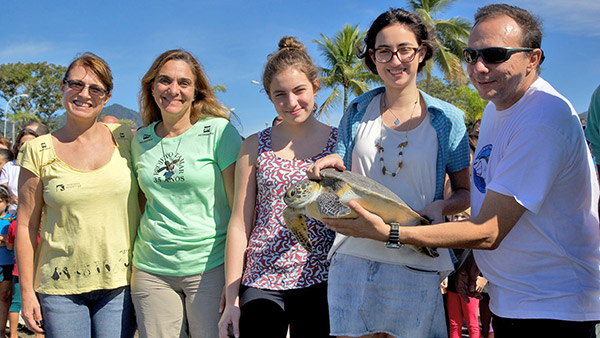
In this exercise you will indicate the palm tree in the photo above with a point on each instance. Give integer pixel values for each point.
(451, 37)
(345, 69)
(220, 88)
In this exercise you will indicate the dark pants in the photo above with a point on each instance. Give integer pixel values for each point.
(515, 328)
(267, 313)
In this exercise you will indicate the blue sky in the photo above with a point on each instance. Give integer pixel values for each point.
(232, 38)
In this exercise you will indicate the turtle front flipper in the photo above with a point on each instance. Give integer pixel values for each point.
(429, 252)
(329, 206)
(296, 224)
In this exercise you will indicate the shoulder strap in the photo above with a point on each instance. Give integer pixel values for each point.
(264, 140)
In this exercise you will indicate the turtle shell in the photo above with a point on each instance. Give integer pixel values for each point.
(361, 183)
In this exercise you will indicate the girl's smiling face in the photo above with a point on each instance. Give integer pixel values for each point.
(397, 74)
(293, 95)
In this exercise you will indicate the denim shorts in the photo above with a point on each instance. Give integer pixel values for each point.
(367, 297)
(99, 313)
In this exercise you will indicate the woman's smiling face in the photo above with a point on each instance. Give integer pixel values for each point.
(173, 89)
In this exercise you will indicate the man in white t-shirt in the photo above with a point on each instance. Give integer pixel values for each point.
(534, 193)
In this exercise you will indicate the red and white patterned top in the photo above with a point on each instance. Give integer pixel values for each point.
(274, 259)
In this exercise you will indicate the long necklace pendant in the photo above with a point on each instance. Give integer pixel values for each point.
(397, 122)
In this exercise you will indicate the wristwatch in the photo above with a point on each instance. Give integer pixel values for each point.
(394, 239)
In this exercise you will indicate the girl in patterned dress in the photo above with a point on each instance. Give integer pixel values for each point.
(271, 281)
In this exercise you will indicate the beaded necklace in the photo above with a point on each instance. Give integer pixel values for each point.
(402, 144)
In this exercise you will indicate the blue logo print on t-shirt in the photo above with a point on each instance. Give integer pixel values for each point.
(480, 167)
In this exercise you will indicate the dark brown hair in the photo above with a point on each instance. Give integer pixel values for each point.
(20, 135)
(412, 21)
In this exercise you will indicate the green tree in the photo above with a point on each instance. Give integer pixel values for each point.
(464, 97)
(451, 37)
(344, 69)
(473, 104)
(438, 88)
(41, 81)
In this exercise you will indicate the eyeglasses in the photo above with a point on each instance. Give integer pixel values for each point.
(404, 54)
(79, 86)
(492, 54)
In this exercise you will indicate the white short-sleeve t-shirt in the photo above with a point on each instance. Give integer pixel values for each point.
(548, 266)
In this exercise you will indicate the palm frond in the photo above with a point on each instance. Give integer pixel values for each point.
(332, 101)
(343, 64)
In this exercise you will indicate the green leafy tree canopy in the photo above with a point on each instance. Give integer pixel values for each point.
(40, 81)
(464, 97)
(343, 68)
(450, 35)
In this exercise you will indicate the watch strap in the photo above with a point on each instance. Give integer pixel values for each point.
(394, 239)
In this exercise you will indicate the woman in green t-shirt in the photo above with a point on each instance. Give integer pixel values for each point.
(184, 160)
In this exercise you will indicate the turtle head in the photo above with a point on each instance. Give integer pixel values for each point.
(301, 193)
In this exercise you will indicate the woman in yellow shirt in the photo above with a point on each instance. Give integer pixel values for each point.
(77, 190)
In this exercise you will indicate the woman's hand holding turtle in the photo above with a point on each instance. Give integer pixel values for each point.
(329, 161)
(433, 212)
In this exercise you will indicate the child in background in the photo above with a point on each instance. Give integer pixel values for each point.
(7, 259)
(15, 305)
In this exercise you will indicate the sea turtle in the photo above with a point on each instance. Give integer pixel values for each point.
(329, 197)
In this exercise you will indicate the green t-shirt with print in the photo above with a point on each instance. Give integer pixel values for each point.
(184, 225)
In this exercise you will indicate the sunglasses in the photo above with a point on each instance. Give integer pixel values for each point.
(492, 54)
(79, 86)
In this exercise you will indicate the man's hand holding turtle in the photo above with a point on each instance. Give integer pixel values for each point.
(367, 225)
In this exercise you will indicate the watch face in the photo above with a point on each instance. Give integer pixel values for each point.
(391, 245)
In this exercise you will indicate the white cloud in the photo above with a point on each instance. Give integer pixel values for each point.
(24, 51)
(575, 16)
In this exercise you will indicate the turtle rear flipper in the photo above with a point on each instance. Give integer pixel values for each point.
(296, 224)
(329, 206)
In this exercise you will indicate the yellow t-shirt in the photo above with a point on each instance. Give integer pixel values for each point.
(89, 218)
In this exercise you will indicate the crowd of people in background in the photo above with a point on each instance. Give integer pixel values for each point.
(178, 230)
